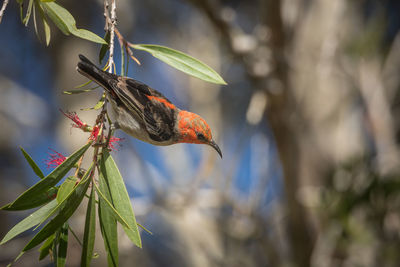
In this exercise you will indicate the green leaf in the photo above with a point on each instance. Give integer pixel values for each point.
(110, 206)
(84, 84)
(182, 62)
(66, 188)
(46, 247)
(35, 22)
(30, 221)
(74, 92)
(99, 104)
(46, 27)
(90, 231)
(28, 13)
(54, 249)
(65, 213)
(21, 9)
(40, 188)
(66, 22)
(38, 200)
(17, 258)
(119, 196)
(65, 191)
(33, 165)
(108, 225)
(104, 47)
(63, 246)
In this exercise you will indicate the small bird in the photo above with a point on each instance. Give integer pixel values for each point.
(145, 113)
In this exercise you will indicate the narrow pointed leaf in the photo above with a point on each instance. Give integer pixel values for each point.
(66, 188)
(108, 225)
(63, 194)
(111, 207)
(46, 247)
(74, 92)
(35, 23)
(29, 222)
(66, 22)
(28, 13)
(17, 258)
(90, 231)
(56, 241)
(46, 27)
(83, 84)
(65, 213)
(49, 181)
(32, 163)
(119, 196)
(63, 246)
(21, 9)
(38, 200)
(182, 62)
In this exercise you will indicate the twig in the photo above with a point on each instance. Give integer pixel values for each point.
(124, 43)
(112, 34)
(3, 8)
(106, 15)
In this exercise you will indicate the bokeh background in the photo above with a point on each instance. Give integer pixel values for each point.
(308, 125)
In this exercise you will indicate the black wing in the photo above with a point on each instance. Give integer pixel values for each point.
(156, 111)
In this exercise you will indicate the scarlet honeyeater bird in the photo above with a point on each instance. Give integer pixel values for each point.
(145, 113)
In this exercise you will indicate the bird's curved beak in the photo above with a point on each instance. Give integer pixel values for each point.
(216, 147)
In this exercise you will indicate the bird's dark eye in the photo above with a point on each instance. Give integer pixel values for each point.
(200, 136)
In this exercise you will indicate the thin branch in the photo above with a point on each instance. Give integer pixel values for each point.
(3, 8)
(112, 34)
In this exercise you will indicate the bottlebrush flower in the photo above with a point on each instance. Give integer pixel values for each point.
(55, 159)
(77, 121)
(114, 142)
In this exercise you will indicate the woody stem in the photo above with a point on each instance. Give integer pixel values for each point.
(3, 8)
(112, 23)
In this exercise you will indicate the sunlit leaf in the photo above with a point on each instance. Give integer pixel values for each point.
(84, 84)
(30, 221)
(90, 231)
(99, 104)
(65, 213)
(74, 92)
(21, 9)
(46, 247)
(66, 22)
(111, 207)
(35, 22)
(49, 181)
(28, 13)
(144, 228)
(182, 62)
(108, 225)
(32, 163)
(17, 258)
(46, 27)
(65, 191)
(119, 196)
(66, 188)
(63, 246)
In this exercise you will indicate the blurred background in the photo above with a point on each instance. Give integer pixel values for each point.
(307, 125)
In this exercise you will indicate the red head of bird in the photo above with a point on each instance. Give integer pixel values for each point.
(194, 129)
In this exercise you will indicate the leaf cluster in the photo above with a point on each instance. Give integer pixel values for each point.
(57, 203)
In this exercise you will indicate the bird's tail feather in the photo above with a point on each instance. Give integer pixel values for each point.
(91, 71)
